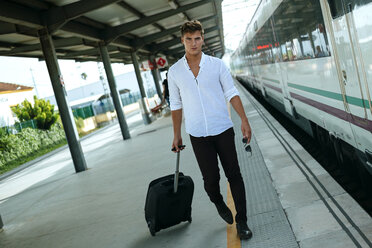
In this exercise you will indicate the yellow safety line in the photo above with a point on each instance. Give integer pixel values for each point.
(233, 240)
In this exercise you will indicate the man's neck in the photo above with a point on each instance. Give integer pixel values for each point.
(193, 59)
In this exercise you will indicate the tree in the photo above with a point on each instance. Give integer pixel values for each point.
(42, 112)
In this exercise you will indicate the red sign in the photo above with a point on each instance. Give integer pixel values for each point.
(151, 65)
(161, 61)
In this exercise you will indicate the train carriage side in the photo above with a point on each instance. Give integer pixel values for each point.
(314, 59)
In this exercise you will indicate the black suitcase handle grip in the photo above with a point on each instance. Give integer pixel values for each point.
(173, 149)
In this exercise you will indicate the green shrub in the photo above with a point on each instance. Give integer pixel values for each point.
(29, 141)
(3, 131)
(42, 112)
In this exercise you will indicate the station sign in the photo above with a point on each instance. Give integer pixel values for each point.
(147, 65)
(161, 62)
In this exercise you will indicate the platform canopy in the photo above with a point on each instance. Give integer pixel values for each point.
(149, 27)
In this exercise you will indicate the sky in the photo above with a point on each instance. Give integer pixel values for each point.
(236, 16)
(31, 72)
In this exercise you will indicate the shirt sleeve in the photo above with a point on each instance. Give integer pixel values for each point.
(174, 93)
(227, 83)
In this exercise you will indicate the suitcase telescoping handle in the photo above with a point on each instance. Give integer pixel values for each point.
(175, 186)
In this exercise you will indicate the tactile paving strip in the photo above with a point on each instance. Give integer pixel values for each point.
(266, 216)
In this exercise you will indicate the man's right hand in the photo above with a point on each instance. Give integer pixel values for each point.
(177, 142)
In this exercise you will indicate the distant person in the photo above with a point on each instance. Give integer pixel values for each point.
(165, 91)
(319, 53)
(200, 85)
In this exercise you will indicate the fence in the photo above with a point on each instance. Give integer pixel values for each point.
(84, 112)
(17, 127)
(105, 105)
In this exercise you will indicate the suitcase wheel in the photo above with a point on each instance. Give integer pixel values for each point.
(151, 225)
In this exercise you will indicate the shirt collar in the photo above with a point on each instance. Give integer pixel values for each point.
(202, 60)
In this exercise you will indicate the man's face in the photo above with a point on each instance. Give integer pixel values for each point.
(193, 42)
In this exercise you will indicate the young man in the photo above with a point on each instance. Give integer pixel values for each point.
(200, 85)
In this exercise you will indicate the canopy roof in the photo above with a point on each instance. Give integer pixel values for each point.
(150, 27)
(10, 88)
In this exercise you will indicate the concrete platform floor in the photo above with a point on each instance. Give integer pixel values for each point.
(49, 205)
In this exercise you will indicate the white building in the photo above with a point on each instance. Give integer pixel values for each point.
(94, 90)
(11, 95)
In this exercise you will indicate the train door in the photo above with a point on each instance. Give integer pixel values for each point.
(281, 70)
(350, 24)
(349, 61)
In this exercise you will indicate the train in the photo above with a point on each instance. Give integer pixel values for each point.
(312, 60)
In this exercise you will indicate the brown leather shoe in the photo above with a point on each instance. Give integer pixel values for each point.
(243, 230)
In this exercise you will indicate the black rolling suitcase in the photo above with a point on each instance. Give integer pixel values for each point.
(168, 200)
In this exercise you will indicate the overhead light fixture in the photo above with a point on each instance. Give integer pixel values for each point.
(172, 4)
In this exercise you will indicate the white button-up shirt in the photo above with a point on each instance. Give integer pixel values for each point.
(202, 98)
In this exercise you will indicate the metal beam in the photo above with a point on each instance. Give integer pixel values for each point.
(112, 33)
(56, 16)
(211, 38)
(152, 37)
(212, 49)
(18, 14)
(175, 50)
(82, 30)
(8, 44)
(10, 28)
(121, 55)
(28, 17)
(88, 52)
(36, 47)
(7, 28)
(137, 13)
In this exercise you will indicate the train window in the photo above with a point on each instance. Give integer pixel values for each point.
(341, 7)
(295, 32)
(283, 50)
(320, 43)
(300, 29)
(336, 7)
(307, 49)
(297, 51)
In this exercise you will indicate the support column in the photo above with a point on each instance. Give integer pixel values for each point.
(144, 109)
(61, 98)
(114, 92)
(155, 75)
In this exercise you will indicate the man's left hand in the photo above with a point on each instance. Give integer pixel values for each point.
(246, 130)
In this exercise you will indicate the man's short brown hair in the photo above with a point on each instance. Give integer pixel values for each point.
(191, 27)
